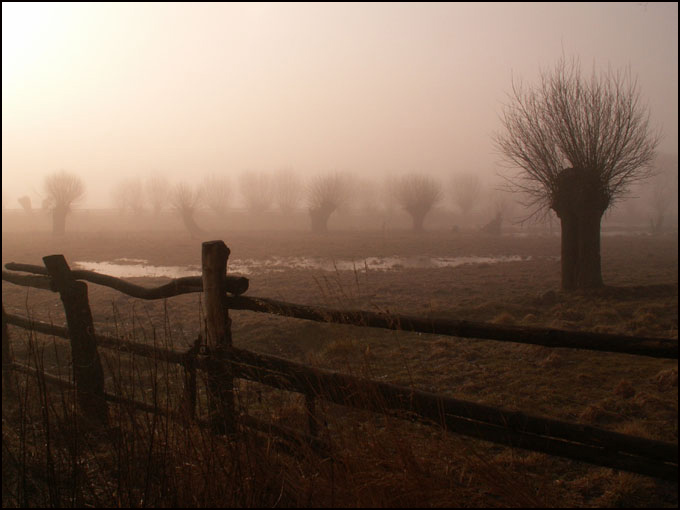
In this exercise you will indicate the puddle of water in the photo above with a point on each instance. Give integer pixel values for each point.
(137, 269)
(130, 268)
(632, 233)
(125, 260)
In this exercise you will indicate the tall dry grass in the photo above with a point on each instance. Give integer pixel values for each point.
(54, 457)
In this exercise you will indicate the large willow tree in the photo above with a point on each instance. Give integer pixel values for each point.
(579, 144)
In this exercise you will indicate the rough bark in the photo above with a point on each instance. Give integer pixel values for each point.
(580, 201)
(218, 336)
(87, 368)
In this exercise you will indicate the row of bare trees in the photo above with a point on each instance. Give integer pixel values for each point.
(285, 191)
(417, 194)
(579, 145)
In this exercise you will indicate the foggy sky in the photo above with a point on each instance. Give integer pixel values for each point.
(110, 91)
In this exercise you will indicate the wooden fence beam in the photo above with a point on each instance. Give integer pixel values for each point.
(38, 282)
(218, 336)
(236, 285)
(87, 368)
(511, 428)
(108, 342)
(576, 441)
(653, 347)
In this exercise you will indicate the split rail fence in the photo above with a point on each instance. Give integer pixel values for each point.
(222, 362)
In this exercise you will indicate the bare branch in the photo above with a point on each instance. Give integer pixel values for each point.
(597, 125)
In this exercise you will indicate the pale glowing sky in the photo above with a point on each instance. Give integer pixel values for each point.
(110, 91)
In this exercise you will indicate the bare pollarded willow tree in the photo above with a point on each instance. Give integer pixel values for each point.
(62, 190)
(579, 145)
(184, 198)
(417, 194)
(157, 189)
(325, 194)
(287, 190)
(129, 194)
(466, 189)
(25, 203)
(664, 191)
(256, 189)
(216, 192)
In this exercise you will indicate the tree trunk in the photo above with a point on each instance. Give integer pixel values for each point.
(590, 265)
(418, 216)
(320, 217)
(581, 263)
(190, 224)
(418, 220)
(580, 202)
(569, 251)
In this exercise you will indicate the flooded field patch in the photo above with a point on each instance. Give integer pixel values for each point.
(131, 268)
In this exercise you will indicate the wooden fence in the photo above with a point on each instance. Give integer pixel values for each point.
(222, 363)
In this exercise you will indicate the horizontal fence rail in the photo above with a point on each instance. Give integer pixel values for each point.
(222, 362)
(235, 284)
(511, 428)
(109, 342)
(604, 342)
(640, 346)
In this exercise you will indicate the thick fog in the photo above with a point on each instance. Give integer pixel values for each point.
(117, 93)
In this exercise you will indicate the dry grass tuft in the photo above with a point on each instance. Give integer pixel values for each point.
(529, 318)
(341, 348)
(595, 414)
(504, 318)
(624, 389)
(667, 379)
(553, 360)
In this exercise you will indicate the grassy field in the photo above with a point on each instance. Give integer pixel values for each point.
(375, 461)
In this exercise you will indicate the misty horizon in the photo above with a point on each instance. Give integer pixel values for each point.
(118, 91)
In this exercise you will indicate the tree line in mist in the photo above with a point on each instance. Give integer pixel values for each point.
(285, 192)
(578, 146)
(282, 192)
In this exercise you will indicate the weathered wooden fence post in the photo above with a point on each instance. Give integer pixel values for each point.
(218, 336)
(87, 367)
(7, 387)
